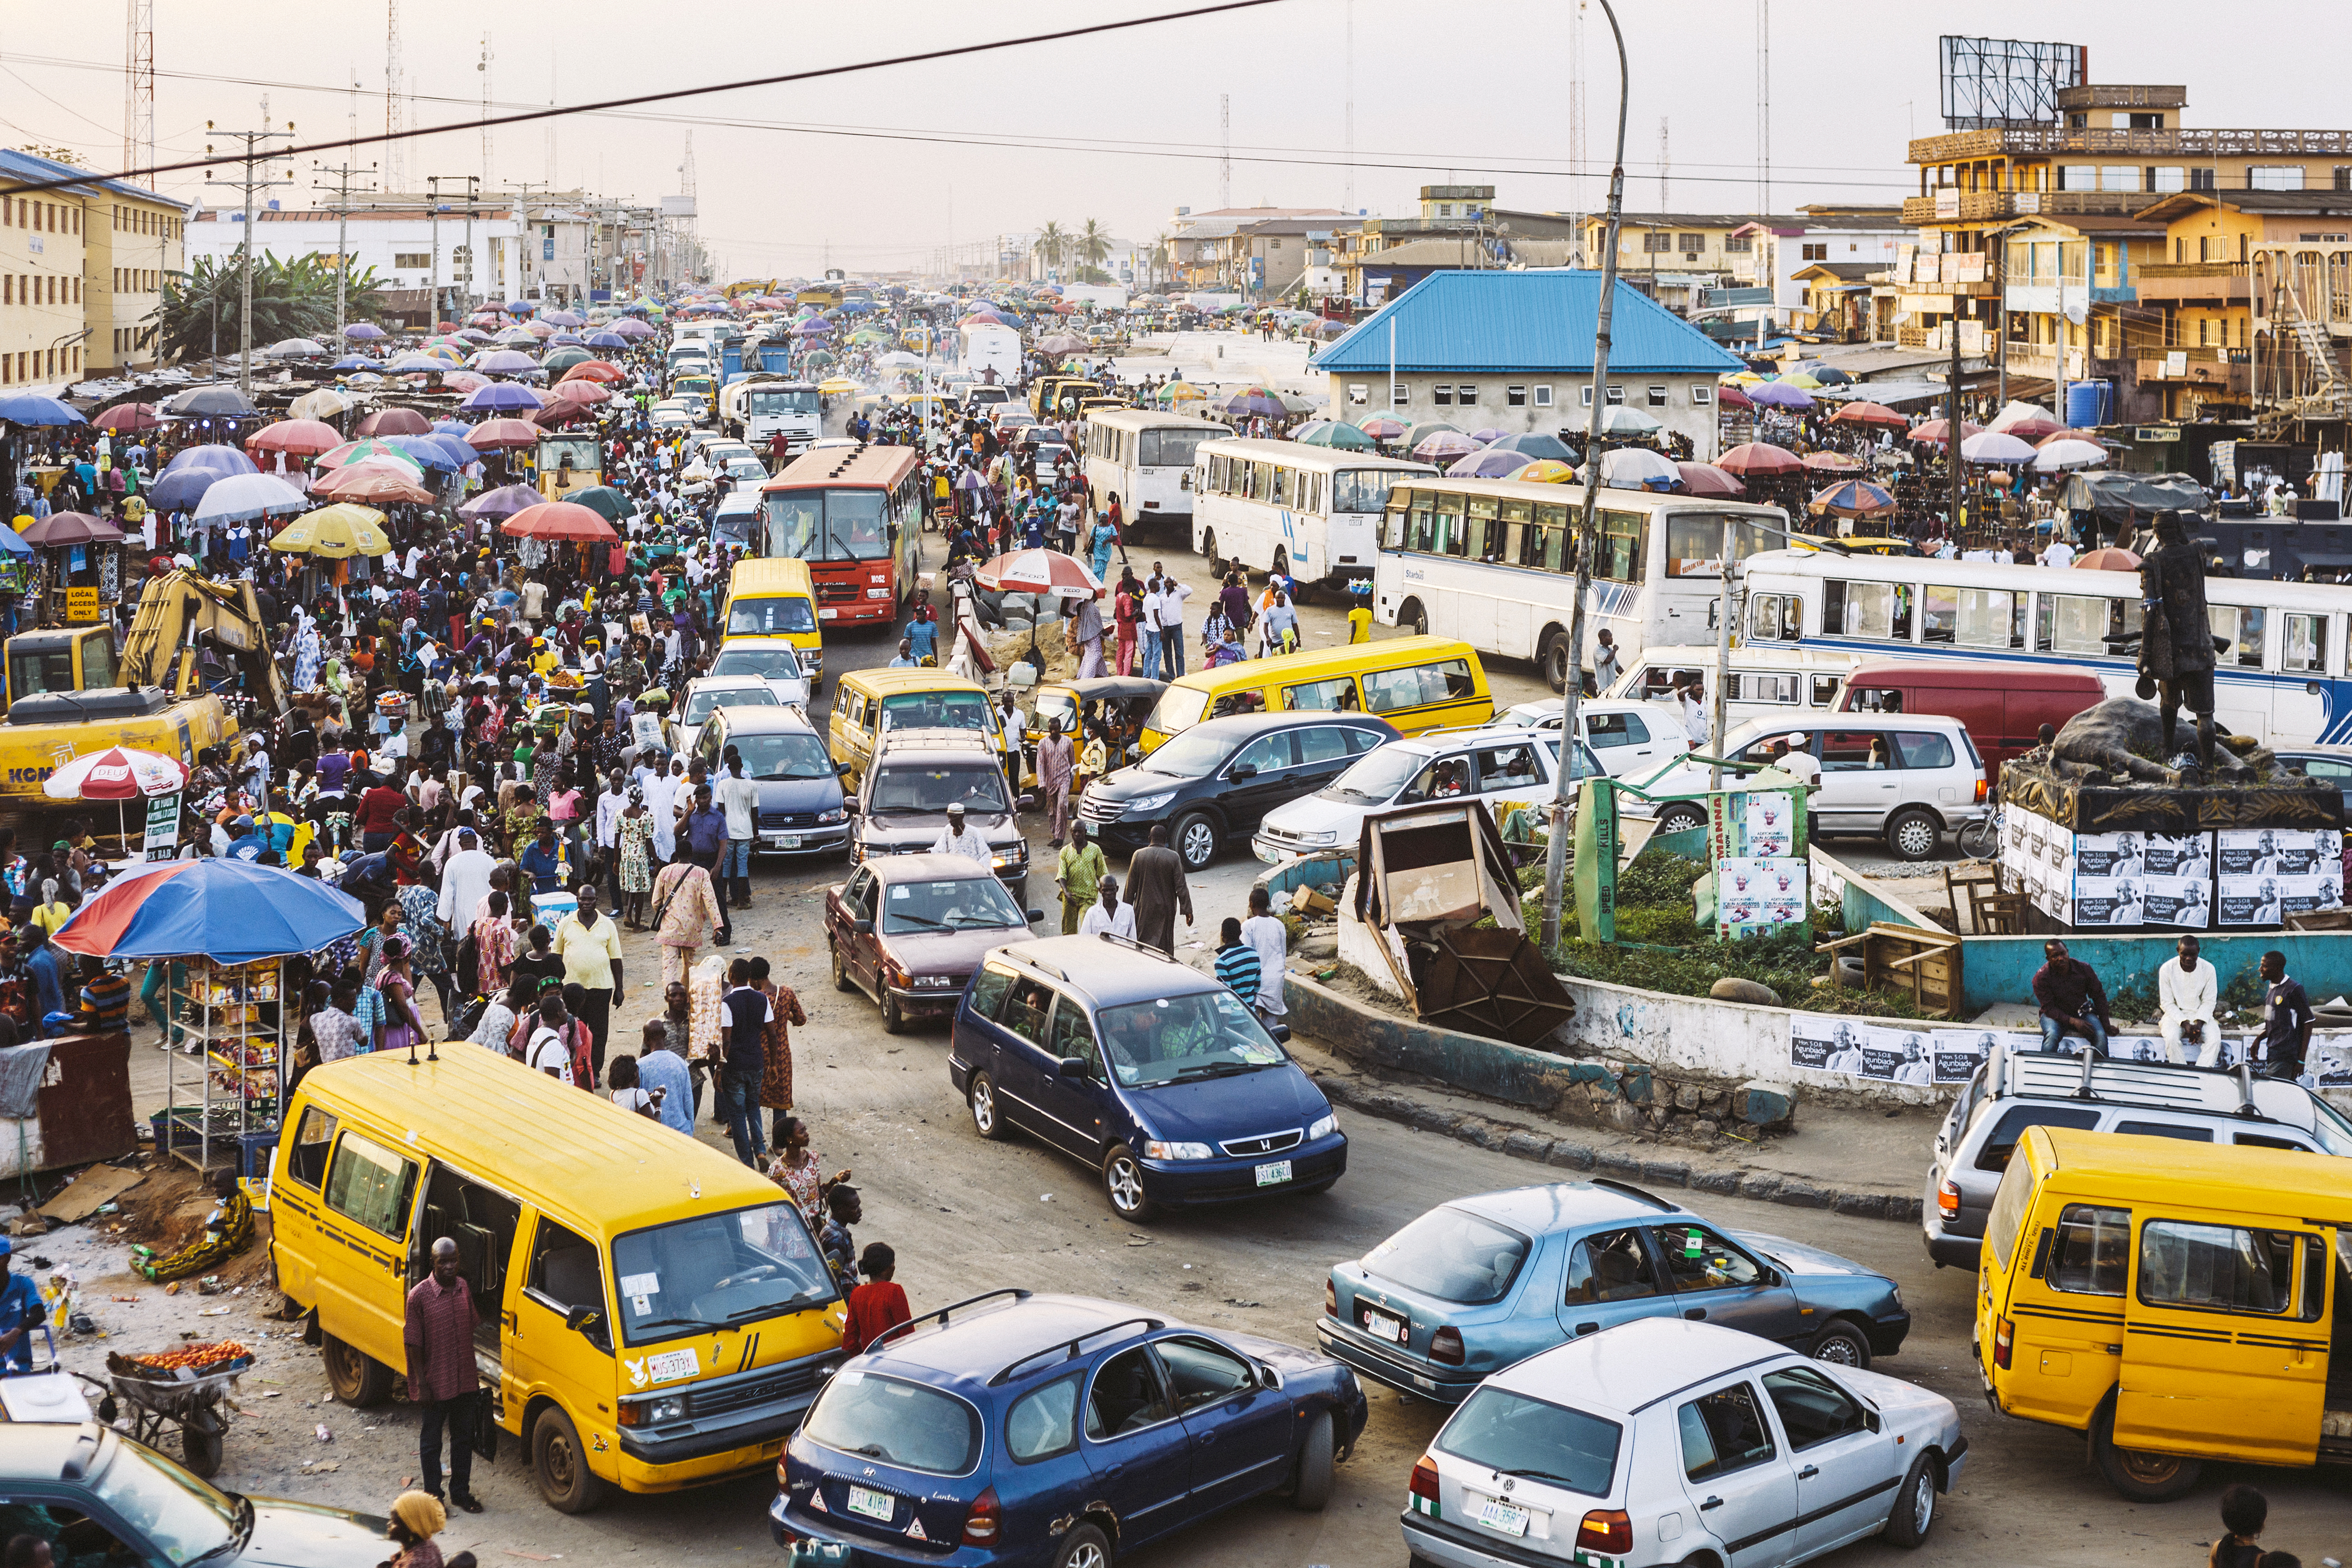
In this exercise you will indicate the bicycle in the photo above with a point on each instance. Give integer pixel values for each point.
(1980, 840)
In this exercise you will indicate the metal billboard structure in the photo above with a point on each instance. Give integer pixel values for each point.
(2006, 84)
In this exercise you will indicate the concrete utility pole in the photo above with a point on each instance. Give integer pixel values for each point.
(253, 153)
(342, 191)
(1570, 747)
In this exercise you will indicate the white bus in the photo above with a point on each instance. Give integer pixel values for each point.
(1311, 512)
(1145, 458)
(2281, 680)
(1486, 560)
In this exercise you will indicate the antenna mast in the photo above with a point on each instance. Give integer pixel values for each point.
(1763, 106)
(483, 65)
(1349, 204)
(1665, 167)
(139, 91)
(396, 116)
(1225, 140)
(1576, 125)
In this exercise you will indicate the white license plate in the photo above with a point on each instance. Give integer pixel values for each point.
(874, 1504)
(1495, 1514)
(1274, 1175)
(1380, 1326)
(828, 614)
(788, 841)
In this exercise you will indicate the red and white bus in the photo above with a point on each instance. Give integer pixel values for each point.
(854, 514)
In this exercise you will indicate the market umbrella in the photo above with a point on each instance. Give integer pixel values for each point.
(29, 408)
(219, 400)
(1869, 414)
(1831, 463)
(1620, 421)
(375, 484)
(563, 319)
(588, 393)
(71, 529)
(298, 437)
(2024, 421)
(630, 327)
(1535, 443)
(353, 362)
(1546, 471)
(213, 457)
(1852, 498)
(1439, 444)
(817, 357)
(1994, 447)
(1182, 391)
(364, 331)
(502, 435)
(1244, 404)
(502, 395)
(1729, 396)
(1802, 380)
(117, 774)
(561, 359)
(604, 500)
(296, 349)
(1706, 480)
(416, 364)
(2108, 559)
(608, 339)
(2054, 456)
(324, 404)
(363, 451)
(1935, 431)
(230, 911)
(430, 454)
(1638, 469)
(1043, 571)
(1487, 437)
(602, 370)
(561, 410)
(1831, 376)
(503, 362)
(503, 502)
(467, 382)
(558, 520)
(242, 498)
(1332, 432)
(127, 416)
(344, 529)
(1383, 426)
(1483, 464)
(460, 453)
(1777, 394)
(1759, 460)
(392, 422)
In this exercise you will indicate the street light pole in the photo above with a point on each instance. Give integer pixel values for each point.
(1570, 747)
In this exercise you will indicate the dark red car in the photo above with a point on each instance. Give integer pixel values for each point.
(908, 930)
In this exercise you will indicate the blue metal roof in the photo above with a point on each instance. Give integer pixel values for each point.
(17, 164)
(1494, 320)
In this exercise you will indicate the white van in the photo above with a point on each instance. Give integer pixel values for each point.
(1626, 734)
(1765, 682)
(1503, 765)
(737, 520)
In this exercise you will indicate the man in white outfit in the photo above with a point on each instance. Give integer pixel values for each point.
(1106, 914)
(1271, 939)
(465, 881)
(2186, 992)
(960, 839)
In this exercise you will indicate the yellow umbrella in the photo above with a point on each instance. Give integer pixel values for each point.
(344, 529)
(1744, 379)
(1182, 391)
(1799, 380)
(834, 386)
(1545, 471)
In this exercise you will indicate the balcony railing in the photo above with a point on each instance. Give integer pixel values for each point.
(1996, 206)
(2197, 142)
(2192, 269)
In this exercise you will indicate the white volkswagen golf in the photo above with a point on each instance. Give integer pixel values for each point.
(1664, 1441)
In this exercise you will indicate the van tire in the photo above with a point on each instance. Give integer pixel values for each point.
(357, 1379)
(1680, 819)
(1553, 658)
(1414, 618)
(987, 1111)
(560, 1465)
(1914, 834)
(2136, 1475)
(1122, 1175)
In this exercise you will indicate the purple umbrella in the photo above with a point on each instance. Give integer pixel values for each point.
(502, 395)
(364, 330)
(564, 319)
(1241, 404)
(603, 341)
(501, 503)
(814, 327)
(1773, 394)
(212, 458)
(1485, 464)
(1488, 435)
(520, 307)
(452, 443)
(1445, 444)
(630, 327)
(503, 362)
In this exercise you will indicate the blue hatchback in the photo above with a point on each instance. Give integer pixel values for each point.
(1040, 1431)
(1147, 1069)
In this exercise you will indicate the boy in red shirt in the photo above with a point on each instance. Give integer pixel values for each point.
(877, 1306)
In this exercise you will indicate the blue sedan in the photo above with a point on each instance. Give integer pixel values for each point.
(1477, 1284)
(1042, 1431)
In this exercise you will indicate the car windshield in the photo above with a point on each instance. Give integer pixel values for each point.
(956, 903)
(776, 757)
(896, 1422)
(826, 525)
(1192, 755)
(913, 789)
(1207, 1034)
(1452, 1255)
(1179, 707)
(715, 1270)
(1375, 780)
(701, 704)
(798, 401)
(164, 1507)
(938, 710)
(764, 617)
(760, 663)
(1512, 1435)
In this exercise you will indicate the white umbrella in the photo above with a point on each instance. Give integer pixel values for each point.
(1043, 571)
(324, 404)
(119, 774)
(295, 348)
(1620, 420)
(2060, 455)
(242, 498)
(1631, 467)
(1995, 446)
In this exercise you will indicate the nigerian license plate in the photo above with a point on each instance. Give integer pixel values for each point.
(785, 840)
(1495, 1514)
(873, 1504)
(1380, 1326)
(1274, 1175)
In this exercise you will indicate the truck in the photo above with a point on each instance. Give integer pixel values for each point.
(987, 347)
(762, 404)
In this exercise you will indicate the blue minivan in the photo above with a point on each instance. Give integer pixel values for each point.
(1147, 1069)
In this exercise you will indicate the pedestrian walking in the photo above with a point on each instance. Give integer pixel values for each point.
(1077, 873)
(742, 1061)
(439, 1334)
(1270, 939)
(686, 916)
(1156, 887)
(776, 1042)
(1056, 767)
(590, 945)
(1237, 963)
(1107, 915)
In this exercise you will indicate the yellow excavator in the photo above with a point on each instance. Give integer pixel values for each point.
(197, 655)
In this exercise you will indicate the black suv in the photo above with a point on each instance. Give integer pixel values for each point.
(1213, 783)
(901, 807)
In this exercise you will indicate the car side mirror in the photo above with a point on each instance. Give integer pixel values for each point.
(1036, 916)
(1244, 770)
(1871, 1419)
(1076, 1067)
(1281, 1032)
(849, 805)
(582, 1320)
(863, 927)
(1028, 802)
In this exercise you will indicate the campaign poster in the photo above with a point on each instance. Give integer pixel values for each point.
(1894, 1054)
(1768, 824)
(2250, 900)
(2329, 1061)
(1754, 894)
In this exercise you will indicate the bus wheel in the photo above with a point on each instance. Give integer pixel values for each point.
(1412, 614)
(1209, 553)
(1555, 661)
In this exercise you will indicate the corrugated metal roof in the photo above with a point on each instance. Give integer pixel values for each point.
(1523, 321)
(17, 164)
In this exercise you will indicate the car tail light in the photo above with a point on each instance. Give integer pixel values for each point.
(1445, 1345)
(1331, 1299)
(2005, 1334)
(982, 1525)
(1423, 1488)
(1980, 791)
(1948, 1198)
(1606, 1529)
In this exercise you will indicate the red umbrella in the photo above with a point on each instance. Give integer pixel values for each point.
(1759, 460)
(595, 370)
(2034, 427)
(1732, 397)
(1869, 414)
(72, 528)
(1706, 480)
(561, 410)
(582, 392)
(373, 483)
(1852, 498)
(393, 422)
(1936, 431)
(2108, 559)
(1829, 463)
(1039, 572)
(444, 326)
(502, 435)
(558, 520)
(127, 416)
(297, 437)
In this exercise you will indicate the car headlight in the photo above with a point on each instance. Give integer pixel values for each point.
(1144, 802)
(1155, 1150)
(835, 815)
(1324, 1127)
(1327, 836)
(933, 982)
(652, 1412)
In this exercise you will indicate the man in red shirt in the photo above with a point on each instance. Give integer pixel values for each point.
(877, 1306)
(439, 1336)
(379, 816)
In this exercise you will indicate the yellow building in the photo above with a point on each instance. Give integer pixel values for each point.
(2257, 285)
(81, 267)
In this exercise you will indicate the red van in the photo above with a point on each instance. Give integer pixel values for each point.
(2004, 706)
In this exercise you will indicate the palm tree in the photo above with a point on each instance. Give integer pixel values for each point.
(1053, 243)
(292, 298)
(1093, 244)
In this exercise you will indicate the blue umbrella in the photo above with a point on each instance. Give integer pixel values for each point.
(428, 451)
(355, 363)
(212, 458)
(29, 408)
(12, 543)
(604, 341)
(457, 427)
(361, 332)
(231, 911)
(455, 446)
(502, 395)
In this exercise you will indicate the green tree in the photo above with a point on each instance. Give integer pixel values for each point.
(292, 298)
(1092, 244)
(1053, 243)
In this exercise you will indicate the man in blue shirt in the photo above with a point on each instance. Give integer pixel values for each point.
(21, 1311)
(660, 1067)
(923, 632)
(48, 988)
(543, 860)
(249, 844)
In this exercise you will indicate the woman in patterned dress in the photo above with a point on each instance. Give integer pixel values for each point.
(637, 833)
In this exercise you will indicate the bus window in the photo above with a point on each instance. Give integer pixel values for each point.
(1337, 696)
(1753, 686)
(1169, 448)
(1943, 617)
(2081, 625)
(1392, 527)
(1658, 683)
(1824, 690)
(1418, 531)
(1420, 686)
(1988, 618)
(1446, 530)
(2307, 644)
(1280, 493)
(2242, 625)
(1776, 618)
(793, 518)
(1619, 557)
(1876, 609)
(1695, 543)
(1361, 489)
(1260, 486)
(1552, 522)
(1484, 539)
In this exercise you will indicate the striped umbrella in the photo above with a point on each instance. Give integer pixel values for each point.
(1852, 498)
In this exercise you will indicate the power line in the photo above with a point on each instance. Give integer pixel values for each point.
(819, 73)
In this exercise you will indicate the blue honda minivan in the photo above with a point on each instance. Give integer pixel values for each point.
(1147, 1069)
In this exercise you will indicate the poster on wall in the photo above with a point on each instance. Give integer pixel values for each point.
(1760, 881)
(2268, 873)
(1889, 1054)
(2117, 880)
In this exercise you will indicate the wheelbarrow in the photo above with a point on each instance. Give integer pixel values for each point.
(183, 1399)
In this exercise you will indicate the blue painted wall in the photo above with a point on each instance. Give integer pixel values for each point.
(2000, 968)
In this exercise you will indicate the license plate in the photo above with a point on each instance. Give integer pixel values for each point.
(1274, 1175)
(788, 841)
(873, 1504)
(828, 614)
(1507, 1517)
(1380, 1326)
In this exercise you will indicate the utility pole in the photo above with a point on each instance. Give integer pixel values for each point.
(1225, 158)
(253, 153)
(343, 189)
(1571, 744)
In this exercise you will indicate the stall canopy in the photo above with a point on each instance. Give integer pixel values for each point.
(230, 911)
(2131, 498)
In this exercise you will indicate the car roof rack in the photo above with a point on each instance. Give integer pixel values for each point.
(1069, 1348)
(1630, 1190)
(941, 1316)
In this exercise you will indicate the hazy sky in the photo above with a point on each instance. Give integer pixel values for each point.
(1122, 129)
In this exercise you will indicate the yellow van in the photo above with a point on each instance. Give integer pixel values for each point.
(915, 699)
(2178, 1301)
(1414, 682)
(653, 1315)
(771, 599)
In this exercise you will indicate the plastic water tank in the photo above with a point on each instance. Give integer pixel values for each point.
(2087, 403)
